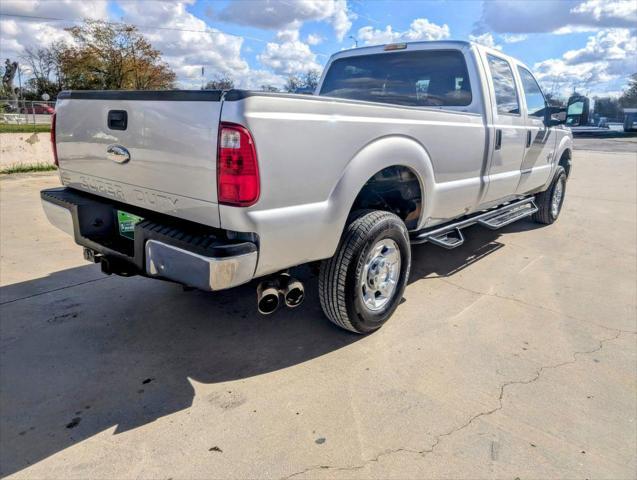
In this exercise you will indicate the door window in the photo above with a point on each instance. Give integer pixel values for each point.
(535, 102)
(506, 95)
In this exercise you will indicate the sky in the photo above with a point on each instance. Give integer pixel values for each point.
(590, 45)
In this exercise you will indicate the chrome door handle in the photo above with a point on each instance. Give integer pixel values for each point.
(117, 154)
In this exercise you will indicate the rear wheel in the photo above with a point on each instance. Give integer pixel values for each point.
(550, 201)
(361, 286)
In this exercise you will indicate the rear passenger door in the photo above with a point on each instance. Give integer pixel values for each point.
(540, 145)
(508, 131)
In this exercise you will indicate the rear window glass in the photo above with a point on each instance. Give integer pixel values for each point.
(506, 94)
(420, 78)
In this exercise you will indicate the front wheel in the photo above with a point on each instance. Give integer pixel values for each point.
(361, 286)
(550, 201)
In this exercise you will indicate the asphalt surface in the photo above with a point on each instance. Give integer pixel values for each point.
(513, 356)
(609, 142)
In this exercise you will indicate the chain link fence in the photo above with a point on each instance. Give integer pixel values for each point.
(26, 112)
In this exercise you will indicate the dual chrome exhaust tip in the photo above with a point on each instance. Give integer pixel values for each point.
(273, 292)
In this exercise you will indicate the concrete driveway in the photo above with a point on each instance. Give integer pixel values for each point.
(513, 356)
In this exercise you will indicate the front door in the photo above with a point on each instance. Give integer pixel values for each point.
(508, 130)
(540, 145)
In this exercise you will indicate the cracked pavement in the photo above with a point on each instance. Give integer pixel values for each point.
(513, 356)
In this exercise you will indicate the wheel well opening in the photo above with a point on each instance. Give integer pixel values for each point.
(565, 162)
(394, 189)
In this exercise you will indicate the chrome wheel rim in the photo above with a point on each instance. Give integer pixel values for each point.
(380, 275)
(556, 201)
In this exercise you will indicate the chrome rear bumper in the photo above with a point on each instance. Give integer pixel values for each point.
(59, 217)
(205, 273)
(183, 253)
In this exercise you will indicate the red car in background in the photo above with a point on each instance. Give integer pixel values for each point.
(38, 109)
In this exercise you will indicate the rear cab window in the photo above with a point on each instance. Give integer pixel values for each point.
(506, 94)
(419, 78)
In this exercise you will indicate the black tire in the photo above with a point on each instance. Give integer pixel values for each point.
(544, 200)
(340, 276)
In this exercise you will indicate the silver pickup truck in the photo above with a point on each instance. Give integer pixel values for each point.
(401, 144)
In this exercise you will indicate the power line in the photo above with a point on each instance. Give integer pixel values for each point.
(108, 22)
(359, 14)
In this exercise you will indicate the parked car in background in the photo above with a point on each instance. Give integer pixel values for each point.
(304, 91)
(38, 109)
(401, 144)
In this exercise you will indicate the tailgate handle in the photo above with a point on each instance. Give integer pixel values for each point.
(117, 119)
(118, 154)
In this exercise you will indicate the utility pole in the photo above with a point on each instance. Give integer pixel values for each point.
(24, 105)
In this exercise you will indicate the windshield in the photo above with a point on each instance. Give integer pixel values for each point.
(428, 78)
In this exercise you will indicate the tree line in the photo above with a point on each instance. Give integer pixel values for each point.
(102, 56)
(301, 83)
(115, 56)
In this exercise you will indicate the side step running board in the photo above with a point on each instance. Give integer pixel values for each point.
(449, 236)
(448, 240)
(500, 219)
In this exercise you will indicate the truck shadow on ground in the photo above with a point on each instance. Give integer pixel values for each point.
(114, 352)
(429, 261)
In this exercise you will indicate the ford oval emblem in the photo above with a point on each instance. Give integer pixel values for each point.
(118, 154)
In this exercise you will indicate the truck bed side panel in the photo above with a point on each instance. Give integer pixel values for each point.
(305, 146)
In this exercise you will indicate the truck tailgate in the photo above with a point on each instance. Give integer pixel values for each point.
(169, 137)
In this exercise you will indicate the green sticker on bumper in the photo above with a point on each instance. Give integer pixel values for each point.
(127, 222)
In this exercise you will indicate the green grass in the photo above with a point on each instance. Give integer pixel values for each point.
(28, 168)
(24, 128)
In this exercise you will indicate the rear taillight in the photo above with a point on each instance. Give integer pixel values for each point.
(53, 144)
(237, 167)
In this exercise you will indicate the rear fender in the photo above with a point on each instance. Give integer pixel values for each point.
(371, 159)
(298, 234)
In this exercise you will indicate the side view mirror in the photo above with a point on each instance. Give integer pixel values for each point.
(555, 116)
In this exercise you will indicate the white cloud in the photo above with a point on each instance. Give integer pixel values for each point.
(262, 77)
(288, 55)
(286, 14)
(185, 41)
(566, 16)
(420, 29)
(16, 34)
(341, 18)
(485, 39)
(569, 29)
(513, 38)
(194, 45)
(56, 8)
(608, 45)
(610, 93)
(607, 56)
(606, 10)
(314, 39)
